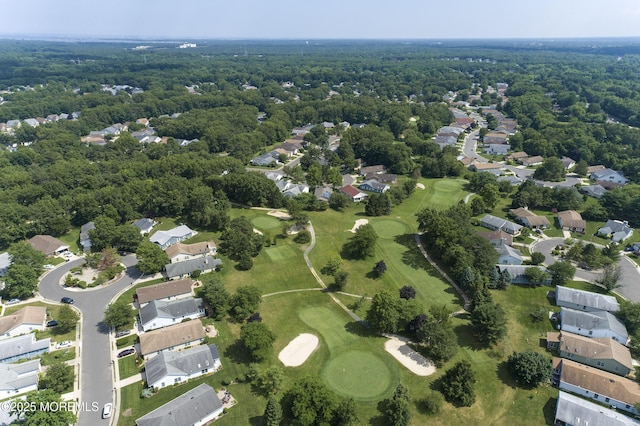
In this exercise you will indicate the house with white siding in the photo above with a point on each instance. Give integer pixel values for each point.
(159, 314)
(171, 367)
(586, 301)
(593, 324)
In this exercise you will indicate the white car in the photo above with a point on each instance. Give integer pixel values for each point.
(49, 266)
(64, 344)
(106, 410)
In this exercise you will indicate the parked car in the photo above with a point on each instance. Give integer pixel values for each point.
(123, 333)
(67, 300)
(126, 352)
(64, 344)
(48, 266)
(106, 410)
(52, 323)
(12, 302)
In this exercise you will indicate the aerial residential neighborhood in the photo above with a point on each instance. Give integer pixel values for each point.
(336, 232)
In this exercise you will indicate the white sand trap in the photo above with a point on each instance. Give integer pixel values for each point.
(257, 231)
(416, 363)
(298, 350)
(280, 215)
(420, 185)
(358, 224)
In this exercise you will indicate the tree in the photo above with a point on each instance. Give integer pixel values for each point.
(270, 381)
(340, 279)
(432, 402)
(119, 315)
(334, 264)
(258, 340)
(537, 258)
(378, 205)
(345, 413)
(581, 168)
(407, 292)
(338, 201)
(530, 368)
(59, 377)
(380, 268)
(245, 302)
(311, 402)
(489, 323)
(303, 237)
(610, 277)
(362, 244)
(20, 282)
(490, 195)
(383, 315)
(50, 415)
(151, 258)
(67, 319)
(478, 206)
(239, 241)
(551, 170)
(458, 384)
(630, 314)
(439, 338)
(561, 272)
(216, 296)
(273, 412)
(398, 412)
(536, 275)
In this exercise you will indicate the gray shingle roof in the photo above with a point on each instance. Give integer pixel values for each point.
(573, 410)
(24, 344)
(598, 320)
(189, 266)
(170, 309)
(565, 295)
(187, 409)
(181, 363)
(14, 377)
(498, 223)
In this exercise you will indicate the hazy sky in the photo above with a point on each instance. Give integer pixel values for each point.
(304, 19)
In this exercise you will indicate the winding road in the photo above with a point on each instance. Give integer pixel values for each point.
(629, 282)
(96, 368)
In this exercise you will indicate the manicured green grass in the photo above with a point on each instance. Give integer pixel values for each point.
(279, 253)
(126, 341)
(266, 223)
(71, 238)
(127, 366)
(201, 237)
(360, 375)
(58, 355)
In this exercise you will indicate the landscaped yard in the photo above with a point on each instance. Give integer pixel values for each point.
(58, 355)
(127, 366)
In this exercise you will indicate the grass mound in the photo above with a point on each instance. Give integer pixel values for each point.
(359, 374)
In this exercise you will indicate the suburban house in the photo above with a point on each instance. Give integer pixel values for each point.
(23, 347)
(444, 140)
(377, 169)
(264, 160)
(595, 191)
(187, 267)
(599, 352)
(583, 300)
(180, 252)
(494, 223)
(494, 137)
(353, 193)
(617, 230)
(295, 189)
(536, 160)
(16, 379)
(196, 407)
(178, 336)
(173, 236)
(160, 313)
(516, 156)
(507, 254)
(23, 321)
(170, 367)
(571, 220)
(609, 175)
(497, 237)
(145, 225)
(518, 274)
(529, 218)
(169, 290)
(493, 168)
(5, 262)
(374, 186)
(48, 245)
(496, 148)
(568, 162)
(572, 410)
(382, 177)
(323, 193)
(593, 324)
(85, 240)
(588, 382)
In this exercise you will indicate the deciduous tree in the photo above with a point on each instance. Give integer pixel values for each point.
(258, 340)
(530, 368)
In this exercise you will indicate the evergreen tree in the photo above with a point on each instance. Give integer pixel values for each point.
(273, 412)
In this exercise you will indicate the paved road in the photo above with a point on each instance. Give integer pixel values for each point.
(630, 281)
(96, 370)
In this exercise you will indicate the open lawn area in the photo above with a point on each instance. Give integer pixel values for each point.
(127, 366)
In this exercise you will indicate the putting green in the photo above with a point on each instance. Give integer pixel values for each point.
(447, 192)
(389, 228)
(266, 223)
(359, 374)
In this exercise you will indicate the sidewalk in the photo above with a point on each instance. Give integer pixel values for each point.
(136, 378)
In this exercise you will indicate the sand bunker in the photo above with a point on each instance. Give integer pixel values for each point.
(416, 363)
(298, 350)
(420, 185)
(358, 224)
(280, 215)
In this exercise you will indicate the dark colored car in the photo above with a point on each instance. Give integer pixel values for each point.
(67, 300)
(52, 323)
(126, 352)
